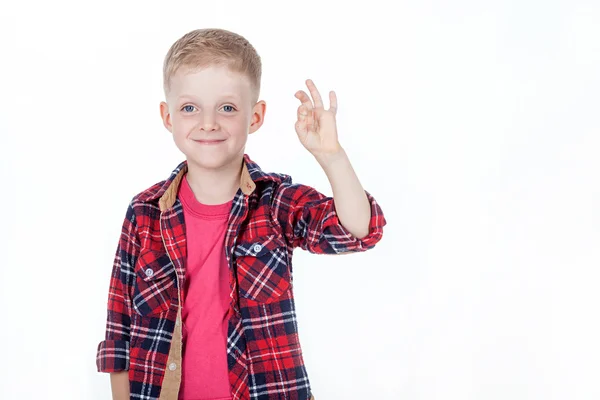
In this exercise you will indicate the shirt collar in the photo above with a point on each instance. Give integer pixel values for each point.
(166, 193)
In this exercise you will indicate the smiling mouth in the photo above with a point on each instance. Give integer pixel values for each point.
(209, 141)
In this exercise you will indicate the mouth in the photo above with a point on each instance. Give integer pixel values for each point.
(209, 142)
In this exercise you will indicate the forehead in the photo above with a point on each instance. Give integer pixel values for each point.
(209, 81)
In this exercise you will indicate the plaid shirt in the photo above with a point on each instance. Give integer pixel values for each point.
(270, 216)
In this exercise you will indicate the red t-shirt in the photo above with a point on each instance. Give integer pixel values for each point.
(206, 305)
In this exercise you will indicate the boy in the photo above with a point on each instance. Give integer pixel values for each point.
(200, 303)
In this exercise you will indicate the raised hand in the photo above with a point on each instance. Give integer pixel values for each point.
(316, 127)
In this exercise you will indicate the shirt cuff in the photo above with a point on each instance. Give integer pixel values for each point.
(345, 238)
(112, 356)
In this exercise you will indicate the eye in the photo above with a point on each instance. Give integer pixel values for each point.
(233, 109)
(184, 107)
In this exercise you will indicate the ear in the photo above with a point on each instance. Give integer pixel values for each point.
(166, 117)
(258, 116)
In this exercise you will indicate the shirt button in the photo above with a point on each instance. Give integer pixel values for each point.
(149, 272)
(257, 248)
(172, 366)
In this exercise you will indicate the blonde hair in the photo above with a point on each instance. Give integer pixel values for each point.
(211, 47)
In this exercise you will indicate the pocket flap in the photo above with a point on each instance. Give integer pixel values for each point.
(259, 246)
(154, 265)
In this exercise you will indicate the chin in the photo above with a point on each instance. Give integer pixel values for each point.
(210, 161)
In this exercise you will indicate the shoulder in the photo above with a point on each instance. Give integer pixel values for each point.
(288, 195)
(142, 205)
(282, 185)
(151, 194)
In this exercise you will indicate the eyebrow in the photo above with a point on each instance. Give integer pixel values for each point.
(225, 96)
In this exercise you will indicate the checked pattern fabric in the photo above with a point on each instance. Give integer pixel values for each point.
(269, 218)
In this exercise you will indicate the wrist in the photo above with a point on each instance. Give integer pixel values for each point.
(327, 160)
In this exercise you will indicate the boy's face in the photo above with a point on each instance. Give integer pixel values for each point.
(210, 114)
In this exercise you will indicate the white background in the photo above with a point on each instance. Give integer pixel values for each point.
(474, 124)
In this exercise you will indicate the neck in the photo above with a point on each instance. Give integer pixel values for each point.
(214, 186)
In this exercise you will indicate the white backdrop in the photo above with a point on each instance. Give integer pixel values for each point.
(474, 124)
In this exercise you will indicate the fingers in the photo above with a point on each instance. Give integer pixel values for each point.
(305, 114)
(308, 115)
(333, 102)
(307, 119)
(314, 93)
(306, 107)
(318, 102)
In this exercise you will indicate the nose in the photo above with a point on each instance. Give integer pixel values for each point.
(208, 122)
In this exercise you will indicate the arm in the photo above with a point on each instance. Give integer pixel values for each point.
(351, 202)
(113, 352)
(312, 221)
(119, 382)
(351, 220)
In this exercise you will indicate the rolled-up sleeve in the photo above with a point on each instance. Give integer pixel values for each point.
(309, 220)
(112, 354)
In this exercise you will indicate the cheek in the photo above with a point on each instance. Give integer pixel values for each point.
(182, 125)
(234, 127)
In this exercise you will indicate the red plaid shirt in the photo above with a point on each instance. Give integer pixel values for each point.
(270, 216)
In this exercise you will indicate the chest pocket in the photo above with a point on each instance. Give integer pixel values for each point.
(263, 271)
(154, 283)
